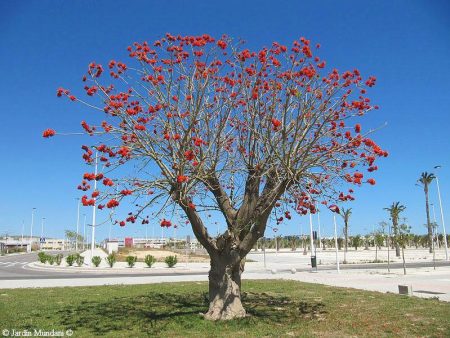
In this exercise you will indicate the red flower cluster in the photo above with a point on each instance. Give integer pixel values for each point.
(166, 223)
(112, 203)
(189, 155)
(334, 208)
(182, 178)
(108, 182)
(276, 124)
(87, 202)
(48, 133)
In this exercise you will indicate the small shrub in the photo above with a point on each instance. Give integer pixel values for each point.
(149, 260)
(131, 260)
(79, 259)
(58, 259)
(42, 256)
(50, 259)
(70, 260)
(171, 261)
(96, 260)
(111, 259)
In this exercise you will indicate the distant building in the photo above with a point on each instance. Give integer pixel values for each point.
(53, 244)
(156, 243)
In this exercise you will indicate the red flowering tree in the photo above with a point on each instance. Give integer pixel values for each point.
(211, 125)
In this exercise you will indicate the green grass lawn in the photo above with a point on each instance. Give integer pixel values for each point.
(276, 309)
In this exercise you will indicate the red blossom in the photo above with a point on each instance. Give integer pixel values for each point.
(189, 155)
(48, 133)
(276, 124)
(222, 44)
(182, 178)
(334, 208)
(112, 204)
(166, 223)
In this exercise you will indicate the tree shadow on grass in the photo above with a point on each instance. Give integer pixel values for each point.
(154, 313)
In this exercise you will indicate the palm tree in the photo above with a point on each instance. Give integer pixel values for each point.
(346, 213)
(426, 179)
(394, 211)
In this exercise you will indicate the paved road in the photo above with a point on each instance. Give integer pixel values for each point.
(15, 268)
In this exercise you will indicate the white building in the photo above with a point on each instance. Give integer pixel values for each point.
(53, 244)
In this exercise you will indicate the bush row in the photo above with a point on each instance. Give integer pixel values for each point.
(50, 259)
(150, 260)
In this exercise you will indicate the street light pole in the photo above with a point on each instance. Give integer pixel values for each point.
(42, 227)
(435, 224)
(23, 229)
(311, 239)
(78, 224)
(336, 243)
(442, 214)
(84, 231)
(32, 223)
(42, 231)
(318, 223)
(93, 207)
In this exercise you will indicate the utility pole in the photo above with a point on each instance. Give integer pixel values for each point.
(442, 215)
(31, 231)
(336, 243)
(78, 224)
(93, 207)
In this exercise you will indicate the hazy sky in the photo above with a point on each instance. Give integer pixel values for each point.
(47, 44)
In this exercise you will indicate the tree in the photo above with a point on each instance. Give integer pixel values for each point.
(402, 239)
(208, 126)
(72, 236)
(394, 211)
(426, 179)
(357, 241)
(346, 213)
(379, 241)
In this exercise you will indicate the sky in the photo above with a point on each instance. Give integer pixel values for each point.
(48, 44)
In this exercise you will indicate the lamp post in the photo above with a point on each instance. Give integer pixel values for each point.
(84, 231)
(336, 243)
(78, 224)
(32, 223)
(433, 231)
(442, 214)
(93, 207)
(311, 240)
(318, 223)
(435, 224)
(42, 227)
(23, 229)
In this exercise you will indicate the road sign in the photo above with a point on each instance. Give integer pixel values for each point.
(42, 240)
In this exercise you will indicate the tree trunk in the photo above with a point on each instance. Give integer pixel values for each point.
(397, 247)
(225, 288)
(430, 230)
